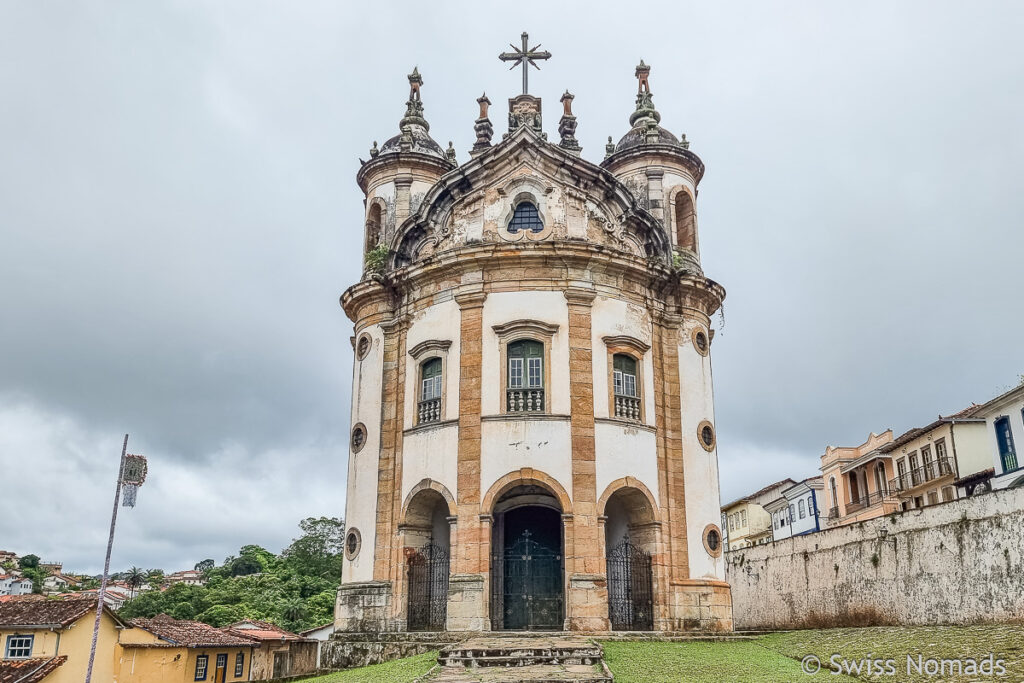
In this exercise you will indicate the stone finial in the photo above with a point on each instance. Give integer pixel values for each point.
(414, 105)
(683, 142)
(567, 125)
(449, 153)
(643, 71)
(566, 101)
(609, 149)
(405, 140)
(415, 81)
(644, 102)
(482, 127)
(373, 150)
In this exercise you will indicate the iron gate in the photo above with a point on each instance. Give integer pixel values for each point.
(531, 586)
(630, 607)
(428, 588)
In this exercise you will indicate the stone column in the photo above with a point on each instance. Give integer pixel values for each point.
(587, 594)
(388, 551)
(467, 589)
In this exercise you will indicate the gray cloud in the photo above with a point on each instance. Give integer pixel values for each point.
(178, 217)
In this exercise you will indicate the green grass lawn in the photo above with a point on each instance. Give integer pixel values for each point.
(774, 658)
(396, 671)
(698, 662)
(936, 642)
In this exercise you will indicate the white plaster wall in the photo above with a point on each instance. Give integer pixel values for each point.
(953, 563)
(430, 454)
(548, 307)
(805, 525)
(508, 445)
(972, 447)
(1013, 411)
(361, 497)
(700, 468)
(624, 451)
(441, 322)
(610, 317)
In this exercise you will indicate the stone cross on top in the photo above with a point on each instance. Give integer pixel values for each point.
(524, 56)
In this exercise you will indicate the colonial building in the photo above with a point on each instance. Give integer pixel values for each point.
(746, 520)
(533, 441)
(1001, 466)
(797, 511)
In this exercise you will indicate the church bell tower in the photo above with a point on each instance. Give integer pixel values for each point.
(532, 429)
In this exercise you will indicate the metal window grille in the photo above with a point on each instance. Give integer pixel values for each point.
(525, 217)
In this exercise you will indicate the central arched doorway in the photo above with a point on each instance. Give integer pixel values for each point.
(527, 561)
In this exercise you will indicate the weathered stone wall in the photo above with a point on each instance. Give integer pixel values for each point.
(959, 562)
(348, 650)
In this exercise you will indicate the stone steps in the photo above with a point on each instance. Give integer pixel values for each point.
(550, 657)
(536, 673)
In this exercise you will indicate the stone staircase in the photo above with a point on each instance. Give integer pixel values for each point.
(552, 658)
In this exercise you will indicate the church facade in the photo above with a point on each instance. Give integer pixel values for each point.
(533, 438)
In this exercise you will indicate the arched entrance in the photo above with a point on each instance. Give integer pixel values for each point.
(630, 539)
(427, 548)
(527, 560)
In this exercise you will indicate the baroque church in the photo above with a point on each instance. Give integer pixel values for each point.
(533, 437)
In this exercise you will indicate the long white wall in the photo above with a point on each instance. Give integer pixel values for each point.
(954, 563)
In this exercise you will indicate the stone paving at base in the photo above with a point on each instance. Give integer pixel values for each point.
(555, 658)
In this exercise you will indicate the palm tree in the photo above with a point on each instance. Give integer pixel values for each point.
(135, 577)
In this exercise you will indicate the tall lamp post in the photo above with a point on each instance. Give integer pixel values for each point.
(131, 474)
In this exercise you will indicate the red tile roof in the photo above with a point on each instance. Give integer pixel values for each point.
(180, 633)
(28, 670)
(262, 631)
(39, 611)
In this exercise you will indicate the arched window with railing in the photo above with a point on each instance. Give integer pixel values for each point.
(625, 388)
(525, 380)
(429, 408)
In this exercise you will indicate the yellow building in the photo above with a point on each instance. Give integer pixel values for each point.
(166, 650)
(36, 632)
(745, 521)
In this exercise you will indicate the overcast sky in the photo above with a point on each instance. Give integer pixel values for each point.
(178, 216)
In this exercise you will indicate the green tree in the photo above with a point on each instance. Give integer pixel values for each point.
(205, 565)
(134, 577)
(29, 562)
(318, 552)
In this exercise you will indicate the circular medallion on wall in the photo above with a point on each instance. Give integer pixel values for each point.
(363, 346)
(353, 542)
(358, 437)
(713, 540)
(700, 341)
(706, 435)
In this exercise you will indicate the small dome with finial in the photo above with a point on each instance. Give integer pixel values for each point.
(645, 119)
(415, 136)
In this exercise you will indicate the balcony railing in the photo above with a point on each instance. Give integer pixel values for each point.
(868, 501)
(627, 407)
(429, 410)
(525, 400)
(921, 475)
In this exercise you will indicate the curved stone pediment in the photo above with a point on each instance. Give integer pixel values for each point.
(575, 200)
